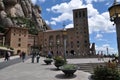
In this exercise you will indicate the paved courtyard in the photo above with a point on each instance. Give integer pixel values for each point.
(41, 71)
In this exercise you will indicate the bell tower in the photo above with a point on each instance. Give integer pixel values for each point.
(80, 21)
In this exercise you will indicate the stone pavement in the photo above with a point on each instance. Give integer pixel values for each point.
(12, 57)
(41, 71)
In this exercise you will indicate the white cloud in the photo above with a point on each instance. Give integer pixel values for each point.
(99, 36)
(41, 0)
(104, 47)
(63, 17)
(48, 9)
(90, 1)
(50, 23)
(100, 23)
(69, 26)
(65, 9)
(34, 1)
(47, 22)
(53, 22)
(97, 22)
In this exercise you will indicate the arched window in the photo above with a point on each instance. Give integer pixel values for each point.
(51, 41)
(58, 40)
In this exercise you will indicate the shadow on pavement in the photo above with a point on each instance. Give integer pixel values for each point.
(89, 77)
(54, 69)
(46, 64)
(62, 76)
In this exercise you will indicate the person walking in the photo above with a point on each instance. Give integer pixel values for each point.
(6, 56)
(20, 54)
(37, 57)
(9, 54)
(23, 54)
(49, 54)
(33, 54)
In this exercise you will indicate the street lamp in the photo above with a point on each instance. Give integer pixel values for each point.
(3, 40)
(107, 50)
(33, 49)
(114, 12)
(65, 39)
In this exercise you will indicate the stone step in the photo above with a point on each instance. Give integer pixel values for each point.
(89, 67)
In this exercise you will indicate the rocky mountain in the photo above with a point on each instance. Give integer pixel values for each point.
(21, 13)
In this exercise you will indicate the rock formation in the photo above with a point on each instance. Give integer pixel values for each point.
(10, 10)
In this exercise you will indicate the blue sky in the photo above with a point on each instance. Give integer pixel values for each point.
(101, 30)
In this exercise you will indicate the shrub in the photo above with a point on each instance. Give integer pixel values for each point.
(112, 64)
(69, 67)
(105, 73)
(59, 61)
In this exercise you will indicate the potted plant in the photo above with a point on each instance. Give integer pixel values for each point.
(48, 61)
(59, 61)
(69, 69)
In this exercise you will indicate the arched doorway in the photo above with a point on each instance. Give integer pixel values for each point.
(72, 52)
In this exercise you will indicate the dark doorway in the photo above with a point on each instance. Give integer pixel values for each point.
(72, 52)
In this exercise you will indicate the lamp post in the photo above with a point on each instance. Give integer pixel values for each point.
(3, 40)
(33, 50)
(58, 44)
(65, 40)
(107, 50)
(114, 12)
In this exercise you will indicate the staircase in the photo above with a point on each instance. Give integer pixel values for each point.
(89, 67)
(118, 67)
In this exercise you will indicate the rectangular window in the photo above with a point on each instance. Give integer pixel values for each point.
(85, 41)
(19, 39)
(78, 46)
(19, 31)
(19, 45)
(83, 13)
(77, 42)
(79, 14)
(76, 15)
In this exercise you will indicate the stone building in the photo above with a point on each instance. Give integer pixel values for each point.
(77, 38)
(74, 40)
(17, 38)
(17, 16)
